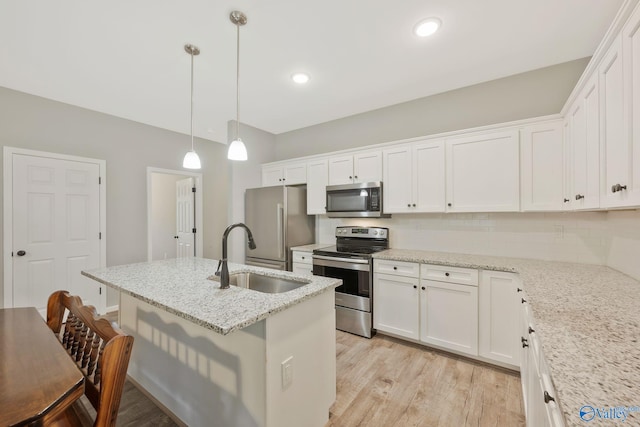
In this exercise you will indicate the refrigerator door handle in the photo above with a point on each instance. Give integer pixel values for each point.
(280, 219)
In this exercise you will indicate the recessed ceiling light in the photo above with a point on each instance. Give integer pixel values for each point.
(300, 78)
(427, 27)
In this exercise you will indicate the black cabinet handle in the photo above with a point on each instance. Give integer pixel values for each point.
(408, 205)
(446, 274)
(415, 286)
(618, 187)
(414, 205)
(350, 177)
(518, 290)
(449, 204)
(424, 289)
(579, 196)
(566, 200)
(531, 330)
(21, 253)
(176, 237)
(548, 398)
(356, 176)
(525, 343)
(524, 300)
(395, 268)
(303, 258)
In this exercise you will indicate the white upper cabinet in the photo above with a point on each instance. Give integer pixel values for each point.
(541, 159)
(413, 177)
(616, 160)
(317, 180)
(622, 146)
(483, 172)
(567, 170)
(284, 174)
(364, 166)
(584, 116)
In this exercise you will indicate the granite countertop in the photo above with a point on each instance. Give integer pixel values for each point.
(181, 287)
(311, 247)
(587, 320)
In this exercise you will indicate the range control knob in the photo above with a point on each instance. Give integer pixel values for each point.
(375, 233)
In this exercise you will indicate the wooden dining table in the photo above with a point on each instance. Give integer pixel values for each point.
(38, 378)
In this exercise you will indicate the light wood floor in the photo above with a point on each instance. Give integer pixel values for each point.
(387, 382)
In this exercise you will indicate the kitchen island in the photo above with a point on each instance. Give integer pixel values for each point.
(233, 357)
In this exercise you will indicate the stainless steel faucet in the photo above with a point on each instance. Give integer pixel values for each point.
(224, 271)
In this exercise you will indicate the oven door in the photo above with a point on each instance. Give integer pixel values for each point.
(355, 291)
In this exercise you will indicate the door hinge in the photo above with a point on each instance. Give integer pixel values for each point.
(99, 180)
(100, 235)
(193, 230)
(193, 189)
(11, 253)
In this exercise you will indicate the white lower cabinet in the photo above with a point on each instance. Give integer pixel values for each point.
(441, 313)
(302, 263)
(541, 407)
(397, 309)
(449, 316)
(498, 306)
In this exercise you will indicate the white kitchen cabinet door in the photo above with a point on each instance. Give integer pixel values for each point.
(428, 191)
(449, 316)
(623, 167)
(295, 173)
(585, 145)
(483, 172)
(398, 180)
(367, 166)
(616, 161)
(499, 317)
(302, 269)
(271, 176)
(340, 170)
(396, 305)
(541, 160)
(567, 153)
(317, 181)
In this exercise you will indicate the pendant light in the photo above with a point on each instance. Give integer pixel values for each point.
(191, 159)
(237, 150)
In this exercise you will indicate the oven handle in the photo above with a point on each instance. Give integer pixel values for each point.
(344, 263)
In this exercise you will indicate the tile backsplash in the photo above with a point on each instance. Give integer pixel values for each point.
(610, 238)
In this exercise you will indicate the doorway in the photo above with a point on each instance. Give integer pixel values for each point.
(174, 214)
(54, 222)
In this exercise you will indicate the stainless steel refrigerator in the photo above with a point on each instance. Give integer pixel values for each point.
(277, 217)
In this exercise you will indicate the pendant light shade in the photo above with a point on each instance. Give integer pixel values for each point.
(237, 149)
(191, 159)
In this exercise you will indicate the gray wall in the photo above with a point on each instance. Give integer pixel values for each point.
(260, 149)
(128, 147)
(531, 94)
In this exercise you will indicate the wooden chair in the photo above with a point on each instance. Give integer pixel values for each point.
(100, 349)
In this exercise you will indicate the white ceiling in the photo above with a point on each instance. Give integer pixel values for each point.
(126, 58)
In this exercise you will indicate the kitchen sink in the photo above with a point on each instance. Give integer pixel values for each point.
(262, 283)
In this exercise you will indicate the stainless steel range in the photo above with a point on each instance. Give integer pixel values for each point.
(351, 260)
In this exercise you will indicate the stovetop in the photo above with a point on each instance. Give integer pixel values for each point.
(357, 242)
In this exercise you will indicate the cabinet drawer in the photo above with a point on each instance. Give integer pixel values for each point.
(399, 268)
(442, 273)
(302, 257)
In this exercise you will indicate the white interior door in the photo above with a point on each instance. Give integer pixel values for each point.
(55, 230)
(185, 242)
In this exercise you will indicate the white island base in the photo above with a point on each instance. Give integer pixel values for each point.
(240, 379)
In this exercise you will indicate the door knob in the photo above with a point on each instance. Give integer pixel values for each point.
(21, 253)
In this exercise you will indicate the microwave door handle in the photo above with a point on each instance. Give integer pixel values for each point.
(280, 232)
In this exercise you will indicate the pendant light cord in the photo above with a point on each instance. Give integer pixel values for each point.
(238, 82)
(192, 101)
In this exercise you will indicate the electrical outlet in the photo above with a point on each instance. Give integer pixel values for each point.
(287, 373)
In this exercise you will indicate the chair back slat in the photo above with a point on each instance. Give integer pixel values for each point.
(100, 349)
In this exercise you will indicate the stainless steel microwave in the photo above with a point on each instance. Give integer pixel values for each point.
(362, 200)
